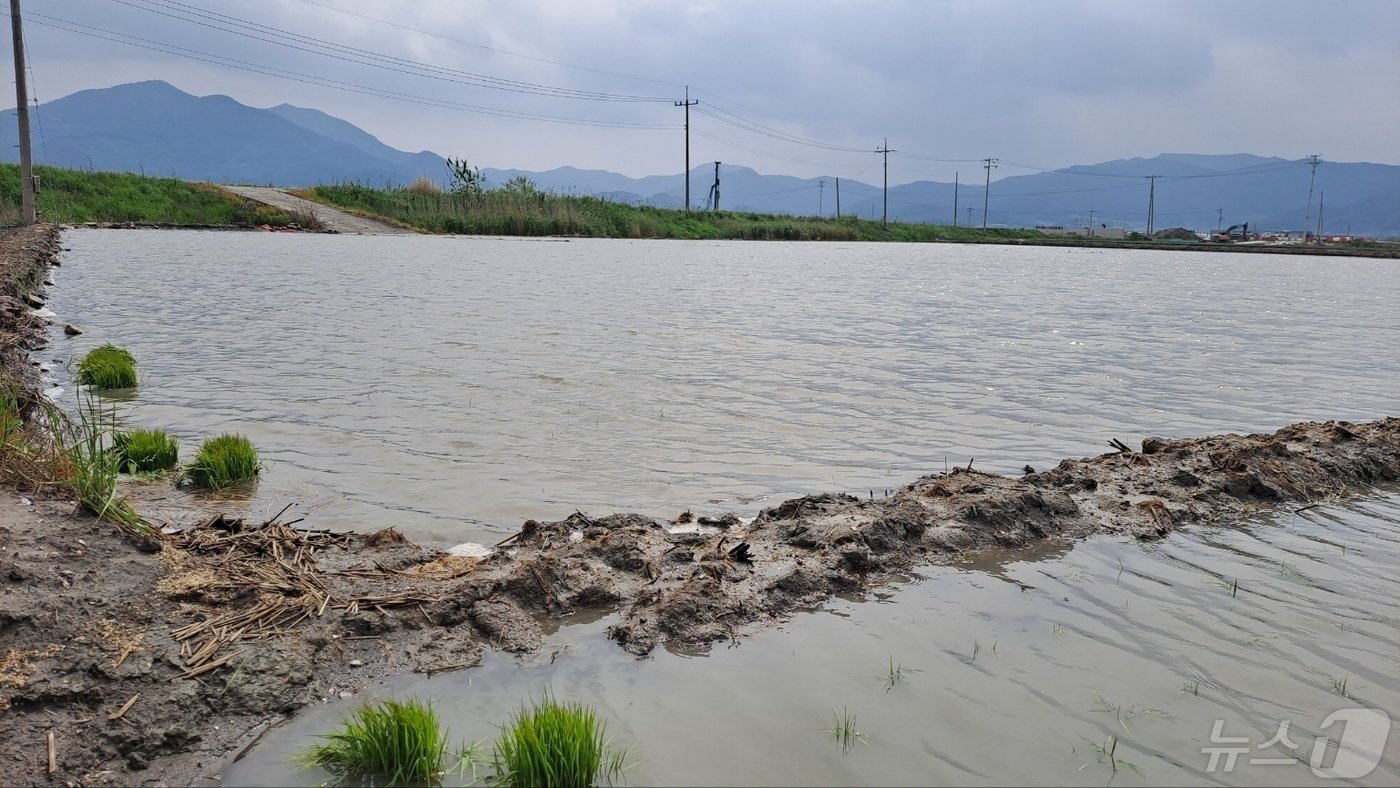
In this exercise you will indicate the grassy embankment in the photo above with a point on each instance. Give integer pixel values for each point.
(74, 196)
(530, 212)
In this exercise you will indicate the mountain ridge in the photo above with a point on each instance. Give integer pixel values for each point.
(154, 127)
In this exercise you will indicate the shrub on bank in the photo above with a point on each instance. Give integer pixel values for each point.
(107, 368)
(145, 451)
(223, 461)
(402, 742)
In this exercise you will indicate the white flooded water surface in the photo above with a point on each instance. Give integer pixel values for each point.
(453, 387)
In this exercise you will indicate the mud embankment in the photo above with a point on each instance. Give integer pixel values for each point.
(129, 660)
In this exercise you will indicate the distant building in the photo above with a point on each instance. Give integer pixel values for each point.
(1102, 231)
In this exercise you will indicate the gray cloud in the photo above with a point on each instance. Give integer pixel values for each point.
(1046, 83)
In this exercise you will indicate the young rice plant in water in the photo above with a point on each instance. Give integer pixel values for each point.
(107, 368)
(555, 744)
(224, 461)
(401, 741)
(145, 451)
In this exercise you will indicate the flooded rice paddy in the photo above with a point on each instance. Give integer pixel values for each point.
(453, 387)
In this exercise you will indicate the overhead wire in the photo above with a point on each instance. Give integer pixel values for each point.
(330, 49)
(350, 87)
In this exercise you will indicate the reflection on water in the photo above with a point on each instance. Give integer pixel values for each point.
(454, 387)
(1011, 671)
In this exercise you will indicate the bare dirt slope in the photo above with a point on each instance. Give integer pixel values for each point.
(331, 218)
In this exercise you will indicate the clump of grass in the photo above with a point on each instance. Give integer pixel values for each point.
(108, 368)
(844, 729)
(145, 451)
(555, 744)
(223, 461)
(92, 466)
(402, 741)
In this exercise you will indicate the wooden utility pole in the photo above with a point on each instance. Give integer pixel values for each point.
(990, 162)
(26, 164)
(688, 104)
(885, 151)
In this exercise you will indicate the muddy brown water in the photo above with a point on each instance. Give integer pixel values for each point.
(453, 387)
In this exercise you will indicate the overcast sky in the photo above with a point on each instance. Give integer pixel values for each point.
(1046, 84)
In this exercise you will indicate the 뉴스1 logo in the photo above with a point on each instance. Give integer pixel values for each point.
(1351, 749)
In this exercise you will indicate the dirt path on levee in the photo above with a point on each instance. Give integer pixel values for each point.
(330, 218)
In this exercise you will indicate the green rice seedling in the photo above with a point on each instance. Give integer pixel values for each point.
(893, 675)
(549, 743)
(108, 368)
(1108, 754)
(401, 741)
(223, 461)
(976, 647)
(145, 451)
(1123, 715)
(844, 730)
(1193, 687)
(1339, 685)
(1058, 631)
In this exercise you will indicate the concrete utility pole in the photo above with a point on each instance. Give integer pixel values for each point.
(1320, 197)
(885, 151)
(838, 198)
(1091, 222)
(688, 104)
(1151, 201)
(955, 199)
(1307, 215)
(821, 191)
(969, 216)
(714, 190)
(26, 164)
(987, 190)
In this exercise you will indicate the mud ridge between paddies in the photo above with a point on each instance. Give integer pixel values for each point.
(139, 660)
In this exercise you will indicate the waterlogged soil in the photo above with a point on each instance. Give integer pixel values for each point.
(128, 659)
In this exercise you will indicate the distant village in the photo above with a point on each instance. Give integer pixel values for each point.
(1235, 234)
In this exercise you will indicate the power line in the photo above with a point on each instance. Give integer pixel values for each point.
(330, 49)
(350, 87)
(486, 47)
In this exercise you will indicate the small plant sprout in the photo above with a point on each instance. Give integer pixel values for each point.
(1339, 685)
(1108, 754)
(401, 741)
(1058, 631)
(893, 675)
(1123, 715)
(549, 743)
(1193, 687)
(976, 647)
(844, 730)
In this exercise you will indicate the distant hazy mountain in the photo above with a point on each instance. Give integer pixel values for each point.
(155, 128)
(161, 130)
